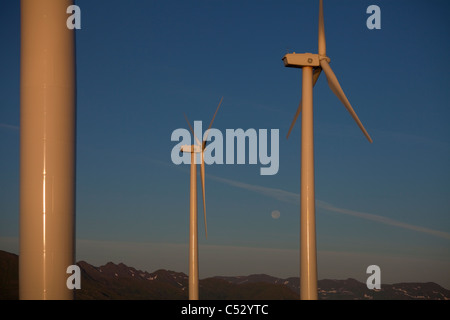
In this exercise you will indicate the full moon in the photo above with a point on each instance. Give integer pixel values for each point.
(275, 214)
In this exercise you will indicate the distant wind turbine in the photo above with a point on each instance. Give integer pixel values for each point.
(312, 65)
(199, 147)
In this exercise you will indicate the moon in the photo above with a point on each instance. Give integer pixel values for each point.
(275, 214)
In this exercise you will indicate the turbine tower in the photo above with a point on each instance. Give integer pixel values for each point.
(312, 65)
(193, 232)
(47, 150)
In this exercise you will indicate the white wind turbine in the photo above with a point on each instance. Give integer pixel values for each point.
(312, 65)
(193, 232)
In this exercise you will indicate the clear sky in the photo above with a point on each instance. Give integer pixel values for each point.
(142, 64)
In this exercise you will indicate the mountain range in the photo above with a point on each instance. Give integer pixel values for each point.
(121, 282)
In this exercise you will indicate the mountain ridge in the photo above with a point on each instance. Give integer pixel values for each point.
(113, 281)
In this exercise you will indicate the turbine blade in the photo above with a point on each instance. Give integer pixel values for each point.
(322, 42)
(336, 88)
(316, 75)
(192, 130)
(210, 125)
(299, 109)
(202, 176)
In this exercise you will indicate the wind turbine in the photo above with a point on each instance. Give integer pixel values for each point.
(312, 65)
(199, 147)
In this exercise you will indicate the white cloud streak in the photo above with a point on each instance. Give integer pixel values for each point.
(279, 194)
(294, 198)
(381, 219)
(9, 126)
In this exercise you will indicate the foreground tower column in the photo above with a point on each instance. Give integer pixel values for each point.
(47, 150)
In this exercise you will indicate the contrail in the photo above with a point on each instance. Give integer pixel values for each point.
(9, 126)
(381, 219)
(294, 198)
(279, 194)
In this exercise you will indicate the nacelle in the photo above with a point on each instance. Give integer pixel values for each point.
(299, 60)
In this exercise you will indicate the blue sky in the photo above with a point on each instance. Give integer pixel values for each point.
(142, 64)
